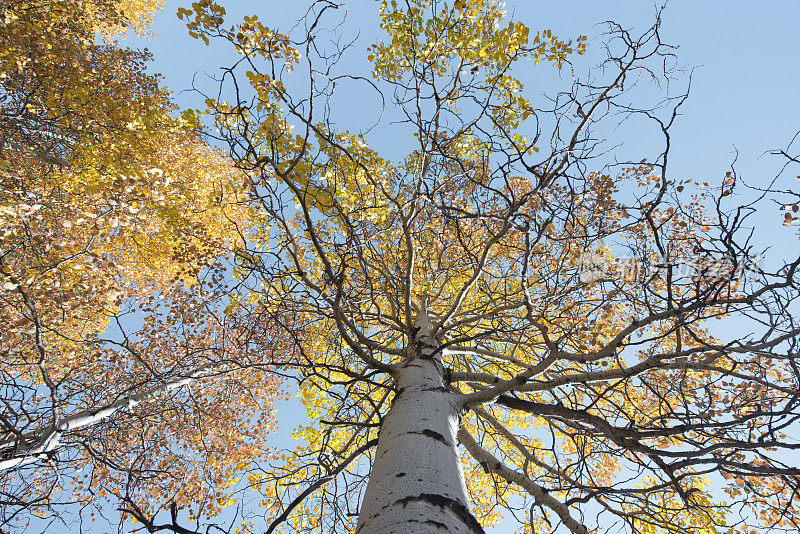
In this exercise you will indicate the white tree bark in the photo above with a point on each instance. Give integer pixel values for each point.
(417, 482)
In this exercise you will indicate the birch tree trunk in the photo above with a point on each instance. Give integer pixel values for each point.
(417, 482)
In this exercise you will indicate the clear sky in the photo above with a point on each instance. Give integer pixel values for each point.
(744, 90)
(744, 87)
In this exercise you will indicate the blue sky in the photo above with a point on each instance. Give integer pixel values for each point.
(746, 78)
(743, 96)
(745, 53)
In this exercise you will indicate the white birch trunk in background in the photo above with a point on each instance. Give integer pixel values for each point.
(417, 483)
(33, 446)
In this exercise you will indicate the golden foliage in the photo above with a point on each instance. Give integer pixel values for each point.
(114, 212)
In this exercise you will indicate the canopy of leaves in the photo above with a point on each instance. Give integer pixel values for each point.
(591, 396)
(613, 395)
(125, 370)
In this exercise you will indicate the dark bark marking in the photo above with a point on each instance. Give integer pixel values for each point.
(456, 507)
(433, 435)
(430, 522)
(400, 475)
